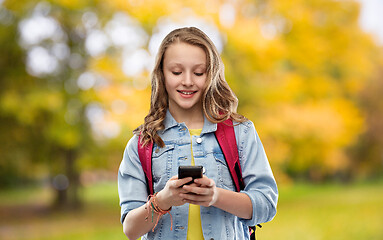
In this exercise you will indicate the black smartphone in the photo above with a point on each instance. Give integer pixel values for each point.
(190, 171)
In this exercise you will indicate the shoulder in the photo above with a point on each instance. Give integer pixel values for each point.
(130, 156)
(245, 132)
(132, 145)
(244, 127)
(133, 140)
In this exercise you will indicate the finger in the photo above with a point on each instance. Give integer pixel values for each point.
(193, 185)
(174, 177)
(195, 198)
(197, 190)
(183, 181)
(187, 188)
(205, 181)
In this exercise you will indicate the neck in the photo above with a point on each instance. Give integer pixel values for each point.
(193, 118)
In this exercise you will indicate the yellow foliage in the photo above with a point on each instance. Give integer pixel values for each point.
(72, 4)
(25, 107)
(125, 100)
(297, 68)
(311, 133)
(294, 66)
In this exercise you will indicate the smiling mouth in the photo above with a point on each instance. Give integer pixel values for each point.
(187, 92)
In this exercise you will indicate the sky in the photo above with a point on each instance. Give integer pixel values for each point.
(371, 18)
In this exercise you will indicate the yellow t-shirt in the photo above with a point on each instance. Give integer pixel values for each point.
(194, 220)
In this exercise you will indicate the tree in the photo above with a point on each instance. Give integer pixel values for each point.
(75, 81)
(303, 70)
(367, 153)
(63, 97)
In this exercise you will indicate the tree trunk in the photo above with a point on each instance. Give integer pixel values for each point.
(67, 185)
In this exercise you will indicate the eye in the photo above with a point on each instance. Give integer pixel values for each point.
(177, 73)
(198, 74)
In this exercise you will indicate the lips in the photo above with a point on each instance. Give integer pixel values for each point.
(186, 92)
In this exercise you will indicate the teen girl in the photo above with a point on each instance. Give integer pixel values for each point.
(189, 97)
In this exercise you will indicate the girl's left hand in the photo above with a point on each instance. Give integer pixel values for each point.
(202, 192)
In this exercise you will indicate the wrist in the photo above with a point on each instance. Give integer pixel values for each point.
(216, 200)
(161, 201)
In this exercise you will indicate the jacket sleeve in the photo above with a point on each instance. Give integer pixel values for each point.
(260, 184)
(131, 180)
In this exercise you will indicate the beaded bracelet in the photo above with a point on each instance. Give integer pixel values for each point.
(152, 204)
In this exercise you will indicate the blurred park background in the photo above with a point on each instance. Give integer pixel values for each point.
(75, 82)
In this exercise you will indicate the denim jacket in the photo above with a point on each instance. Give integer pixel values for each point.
(260, 184)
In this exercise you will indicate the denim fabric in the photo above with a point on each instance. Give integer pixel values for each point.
(260, 184)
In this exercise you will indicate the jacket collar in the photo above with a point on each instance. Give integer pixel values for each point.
(170, 122)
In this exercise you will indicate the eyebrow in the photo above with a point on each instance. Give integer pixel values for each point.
(179, 64)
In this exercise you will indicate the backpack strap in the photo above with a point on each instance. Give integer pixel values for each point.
(145, 155)
(226, 139)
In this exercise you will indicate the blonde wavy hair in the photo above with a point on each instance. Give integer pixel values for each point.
(218, 100)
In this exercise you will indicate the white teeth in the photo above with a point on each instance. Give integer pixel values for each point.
(187, 93)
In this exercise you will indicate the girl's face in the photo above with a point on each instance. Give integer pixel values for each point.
(184, 67)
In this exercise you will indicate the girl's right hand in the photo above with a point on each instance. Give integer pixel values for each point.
(170, 195)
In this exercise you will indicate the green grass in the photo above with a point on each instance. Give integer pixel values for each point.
(317, 212)
(25, 214)
(305, 211)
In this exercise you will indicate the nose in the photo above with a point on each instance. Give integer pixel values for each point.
(187, 80)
